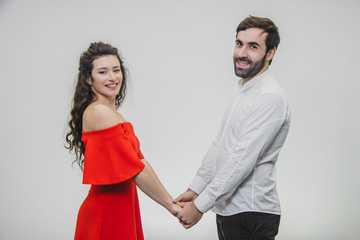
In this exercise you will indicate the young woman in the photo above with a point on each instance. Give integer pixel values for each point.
(108, 152)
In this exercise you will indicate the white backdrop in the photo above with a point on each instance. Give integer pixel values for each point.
(179, 54)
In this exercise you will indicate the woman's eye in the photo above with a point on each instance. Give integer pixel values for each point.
(117, 70)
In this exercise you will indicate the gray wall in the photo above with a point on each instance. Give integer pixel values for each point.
(179, 54)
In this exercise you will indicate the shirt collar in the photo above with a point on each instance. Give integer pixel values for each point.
(254, 81)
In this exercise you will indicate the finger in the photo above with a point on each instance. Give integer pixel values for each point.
(181, 219)
(179, 216)
(178, 208)
(178, 199)
(183, 224)
(181, 204)
(175, 213)
(187, 226)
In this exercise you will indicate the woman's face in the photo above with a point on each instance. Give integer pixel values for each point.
(106, 77)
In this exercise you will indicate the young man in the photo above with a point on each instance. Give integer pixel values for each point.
(236, 178)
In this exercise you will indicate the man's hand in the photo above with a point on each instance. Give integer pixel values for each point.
(189, 215)
(187, 196)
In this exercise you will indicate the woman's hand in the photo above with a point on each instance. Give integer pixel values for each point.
(174, 209)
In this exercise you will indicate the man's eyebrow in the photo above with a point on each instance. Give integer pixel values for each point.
(249, 43)
(254, 43)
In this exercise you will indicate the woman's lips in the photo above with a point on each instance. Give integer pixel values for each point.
(112, 85)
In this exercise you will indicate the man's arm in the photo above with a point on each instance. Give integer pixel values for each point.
(255, 133)
(205, 172)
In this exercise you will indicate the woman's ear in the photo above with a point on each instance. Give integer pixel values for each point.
(89, 81)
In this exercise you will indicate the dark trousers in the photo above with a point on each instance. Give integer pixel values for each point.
(248, 226)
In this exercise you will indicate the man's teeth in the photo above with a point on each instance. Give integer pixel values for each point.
(243, 63)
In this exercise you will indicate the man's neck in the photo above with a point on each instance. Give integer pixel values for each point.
(245, 80)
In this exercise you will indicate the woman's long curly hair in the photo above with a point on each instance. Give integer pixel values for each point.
(83, 95)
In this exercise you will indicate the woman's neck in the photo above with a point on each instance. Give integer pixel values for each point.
(107, 102)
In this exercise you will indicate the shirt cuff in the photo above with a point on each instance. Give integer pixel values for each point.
(203, 202)
(198, 185)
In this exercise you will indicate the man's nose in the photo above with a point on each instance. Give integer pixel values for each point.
(242, 52)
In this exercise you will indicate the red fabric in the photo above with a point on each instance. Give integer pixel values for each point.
(111, 209)
(111, 155)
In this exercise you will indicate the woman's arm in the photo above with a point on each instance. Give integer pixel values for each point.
(150, 184)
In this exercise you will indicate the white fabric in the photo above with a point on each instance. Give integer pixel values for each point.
(238, 172)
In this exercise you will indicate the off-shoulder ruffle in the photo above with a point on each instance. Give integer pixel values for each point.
(112, 155)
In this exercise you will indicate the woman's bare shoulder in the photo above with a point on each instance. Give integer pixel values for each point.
(99, 116)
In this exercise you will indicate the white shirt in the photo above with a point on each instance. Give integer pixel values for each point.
(238, 172)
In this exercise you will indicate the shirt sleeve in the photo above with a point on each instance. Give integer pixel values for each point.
(204, 174)
(110, 158)
(254, 133)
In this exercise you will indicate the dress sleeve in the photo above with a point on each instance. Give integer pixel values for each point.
(110, 157)
(140, 155)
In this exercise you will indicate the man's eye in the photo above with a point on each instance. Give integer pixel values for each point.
(254, 47)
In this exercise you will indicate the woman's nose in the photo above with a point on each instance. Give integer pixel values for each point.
(111, 76)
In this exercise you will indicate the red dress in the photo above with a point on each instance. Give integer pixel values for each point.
(111, 209)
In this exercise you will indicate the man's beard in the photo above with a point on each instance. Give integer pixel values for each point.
(252, 70)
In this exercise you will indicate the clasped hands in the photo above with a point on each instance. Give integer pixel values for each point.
(188, 215)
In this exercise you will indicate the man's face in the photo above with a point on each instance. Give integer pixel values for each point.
(250, 58)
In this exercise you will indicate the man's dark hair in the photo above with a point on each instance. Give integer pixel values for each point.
(273, 37)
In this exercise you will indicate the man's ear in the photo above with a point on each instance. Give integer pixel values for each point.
(271, 54)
